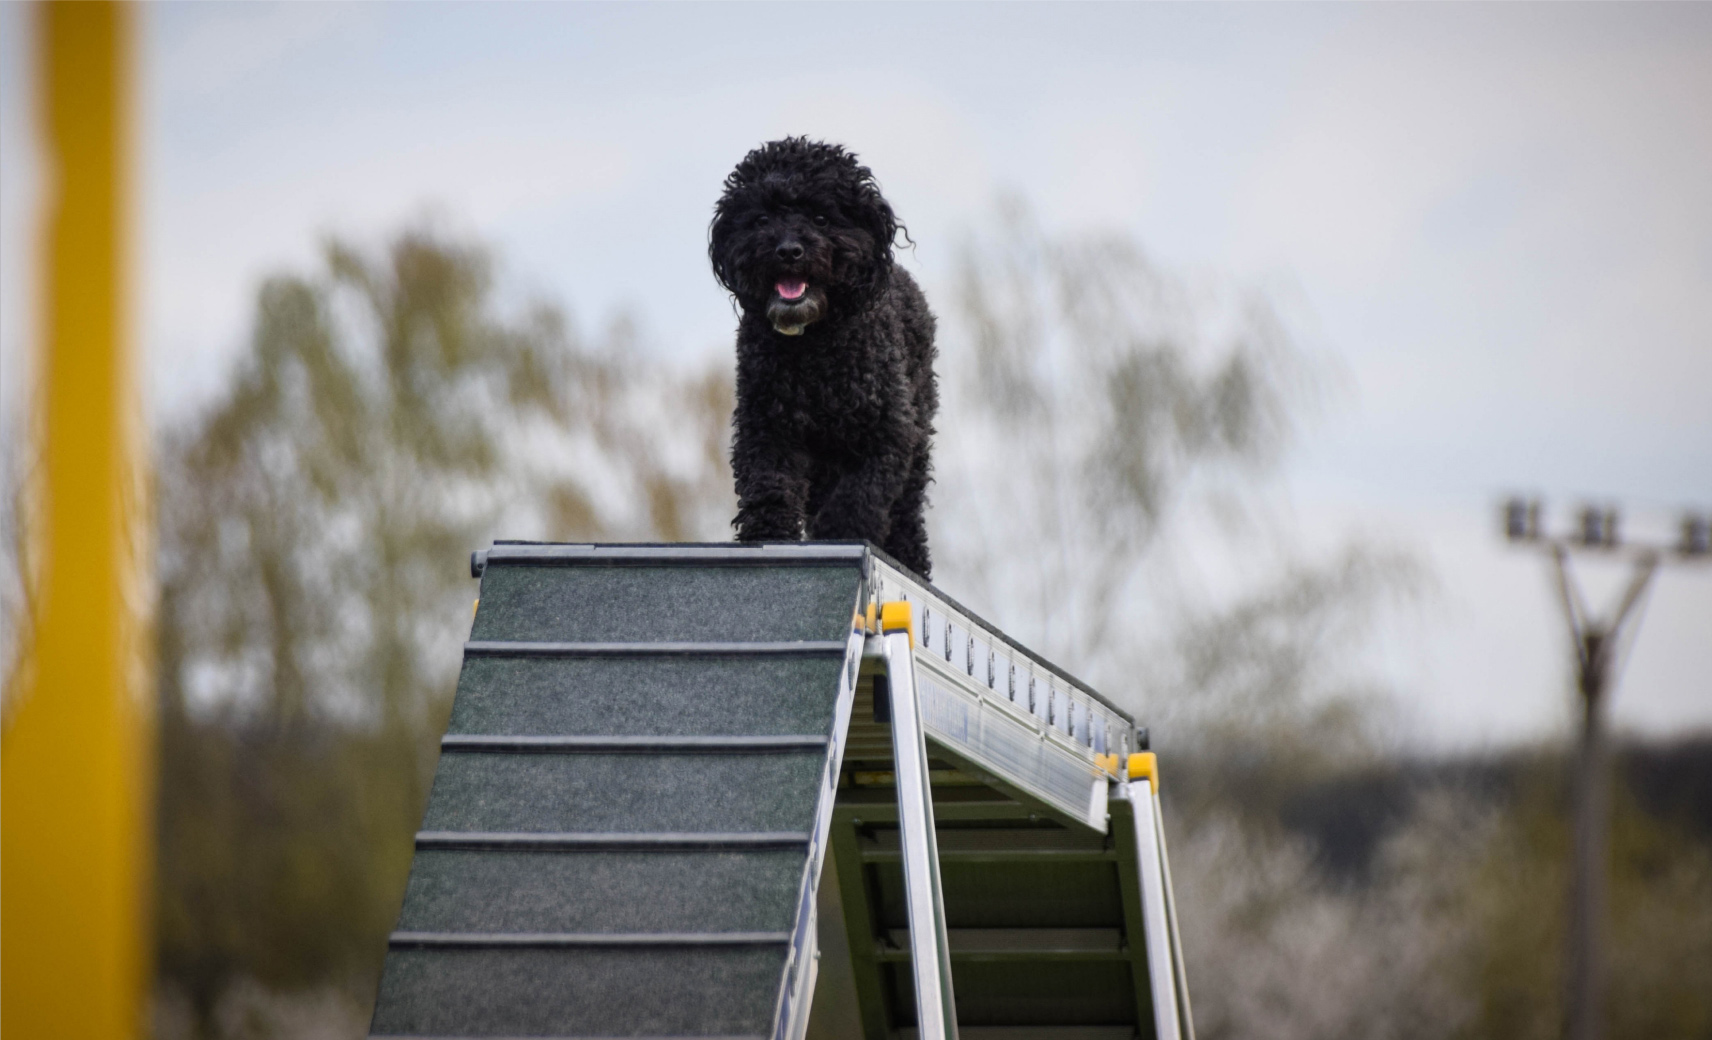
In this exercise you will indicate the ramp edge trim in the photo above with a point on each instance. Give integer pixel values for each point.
(796, 991)
(756, 555)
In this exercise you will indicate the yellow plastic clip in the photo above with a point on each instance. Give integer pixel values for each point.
(1109, 763)
(1145, 765)
(873, 620)
(896, 617)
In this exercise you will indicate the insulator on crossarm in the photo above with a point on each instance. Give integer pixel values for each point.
(1522, 519)
(1696, 535)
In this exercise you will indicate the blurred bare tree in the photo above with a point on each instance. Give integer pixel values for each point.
(1103, 418)
(1274, 675)
(1105, 421)
(1089, 396)
(313, 531)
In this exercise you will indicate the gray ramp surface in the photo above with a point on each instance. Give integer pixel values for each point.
(618, 832)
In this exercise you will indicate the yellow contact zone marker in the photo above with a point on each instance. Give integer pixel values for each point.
(1145, 765)
(475, 607)
(896, 616)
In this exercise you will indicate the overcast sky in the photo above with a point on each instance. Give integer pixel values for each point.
(1493, 223)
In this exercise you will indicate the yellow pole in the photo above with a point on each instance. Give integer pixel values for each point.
(76, 762)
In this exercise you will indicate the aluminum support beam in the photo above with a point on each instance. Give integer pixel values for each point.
(1155, 921)
(930, 953)
(1183, 1009)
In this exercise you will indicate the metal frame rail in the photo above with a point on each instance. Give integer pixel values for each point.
(930, 947)
(1005, 713)
(796, 997)
(1071, 728)
(1166, 982)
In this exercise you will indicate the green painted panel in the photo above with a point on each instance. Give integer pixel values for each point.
(1029, 993)
(1025, 894)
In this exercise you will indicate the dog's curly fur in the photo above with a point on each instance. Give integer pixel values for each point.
(835, 385)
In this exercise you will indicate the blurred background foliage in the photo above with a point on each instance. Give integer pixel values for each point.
(1106, 433)
(315, 525)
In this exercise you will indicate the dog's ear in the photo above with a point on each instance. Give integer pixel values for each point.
(874, 215)
(719, 234)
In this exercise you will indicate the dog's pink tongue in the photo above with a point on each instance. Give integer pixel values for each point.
(792, 290)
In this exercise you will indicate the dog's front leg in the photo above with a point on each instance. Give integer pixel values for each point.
(860, 504)
(772, 489)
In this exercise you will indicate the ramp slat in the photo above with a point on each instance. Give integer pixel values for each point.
(711, 694)
(516, 891)
(524, 648)
(555, 940)
(665, 604)
(500, 792)
(629, 745)
(579, 992)
(594, 841)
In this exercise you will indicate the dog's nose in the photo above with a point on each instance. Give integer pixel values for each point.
(790, 249)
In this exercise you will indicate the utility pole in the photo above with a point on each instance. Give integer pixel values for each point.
(1596, 641)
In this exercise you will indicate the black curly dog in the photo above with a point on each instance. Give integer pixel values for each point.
(835, 383)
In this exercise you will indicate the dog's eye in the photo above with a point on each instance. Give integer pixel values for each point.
(820, 220)
(764, 220)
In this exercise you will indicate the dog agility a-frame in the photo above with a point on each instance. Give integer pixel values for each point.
(776, 791)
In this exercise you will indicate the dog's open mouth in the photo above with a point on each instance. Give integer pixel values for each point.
(795, 306)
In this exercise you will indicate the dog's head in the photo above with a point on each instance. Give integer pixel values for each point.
(801, 233)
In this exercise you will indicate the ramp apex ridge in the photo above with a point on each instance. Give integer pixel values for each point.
(741, 554)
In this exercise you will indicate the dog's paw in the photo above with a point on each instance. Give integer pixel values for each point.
(846, 521)
(768, 526)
